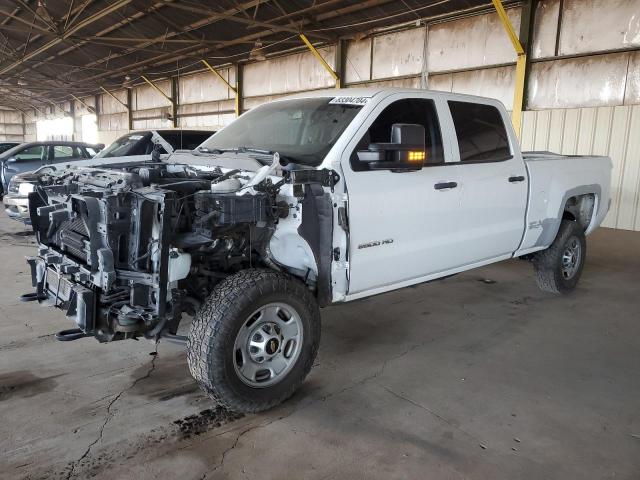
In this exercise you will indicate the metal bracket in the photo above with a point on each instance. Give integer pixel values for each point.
(325, 177)
(157, 89)
(322, 61)
(229, 86)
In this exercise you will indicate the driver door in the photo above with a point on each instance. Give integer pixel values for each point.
(27, 160)
(402, 226)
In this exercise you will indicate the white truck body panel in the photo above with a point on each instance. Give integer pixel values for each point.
(552, 180)
(425, 234)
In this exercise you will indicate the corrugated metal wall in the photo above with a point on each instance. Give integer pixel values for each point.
(611, 131)
(584, 82)
(11, 126)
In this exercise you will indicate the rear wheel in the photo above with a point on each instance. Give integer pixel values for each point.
(254, 340)
(559, 267)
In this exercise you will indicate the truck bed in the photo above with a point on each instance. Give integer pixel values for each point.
(553, 180)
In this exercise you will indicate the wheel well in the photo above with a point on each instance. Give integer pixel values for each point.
(579, 208)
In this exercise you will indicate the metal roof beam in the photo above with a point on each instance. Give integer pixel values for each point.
(245, 21)
(70, 31)
(188, 52)
(196, 25)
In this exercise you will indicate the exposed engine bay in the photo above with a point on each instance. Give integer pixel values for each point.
(125, 251)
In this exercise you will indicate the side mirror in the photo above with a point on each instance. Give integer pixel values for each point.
(11, 160)
(405, 153)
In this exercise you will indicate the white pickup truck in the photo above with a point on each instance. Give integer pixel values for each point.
(304, 202)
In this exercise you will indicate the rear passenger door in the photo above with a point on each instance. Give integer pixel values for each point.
(494, 181)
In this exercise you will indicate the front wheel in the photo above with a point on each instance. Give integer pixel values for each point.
(559, 267)
(254, 340)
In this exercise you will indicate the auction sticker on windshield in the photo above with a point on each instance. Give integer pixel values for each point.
(349, 100)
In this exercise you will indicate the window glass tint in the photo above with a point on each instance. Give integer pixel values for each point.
(418, 111)
(185, 140)
(31, 153)
(481, 133)
(60, 152)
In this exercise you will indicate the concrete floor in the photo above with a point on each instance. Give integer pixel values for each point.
(480, 376)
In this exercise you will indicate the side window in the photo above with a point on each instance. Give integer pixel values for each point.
(482, 136)
(419, 111)
(64, 152)
(31, 153)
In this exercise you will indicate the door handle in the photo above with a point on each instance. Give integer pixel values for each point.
(443, 185)
(519, 178)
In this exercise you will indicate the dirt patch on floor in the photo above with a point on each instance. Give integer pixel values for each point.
(24, 384)
(205, 420)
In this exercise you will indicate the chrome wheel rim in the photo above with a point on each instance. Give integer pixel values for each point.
(571, 258)
(268, 345)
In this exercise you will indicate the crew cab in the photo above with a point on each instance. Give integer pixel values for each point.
(308, 201)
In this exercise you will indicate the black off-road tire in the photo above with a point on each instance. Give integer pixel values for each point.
(548, 263)
(210, 348)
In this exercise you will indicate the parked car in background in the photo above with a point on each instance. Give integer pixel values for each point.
(137, 145)
(4, 146)
(26, 157)
(143, 142)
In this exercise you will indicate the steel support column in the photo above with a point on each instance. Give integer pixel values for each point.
(130, 109)
(341, 49)
(239, 89)
(320, 59)
(174, 101)
(521, 64)
(527, 21)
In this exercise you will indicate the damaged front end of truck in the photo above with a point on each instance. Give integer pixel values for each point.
(126, 251)
(246, 234)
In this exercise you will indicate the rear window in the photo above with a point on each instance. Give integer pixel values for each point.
(482, 136)
(185, 140)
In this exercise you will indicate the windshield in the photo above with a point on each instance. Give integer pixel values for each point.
(133, 144)
(302, 130)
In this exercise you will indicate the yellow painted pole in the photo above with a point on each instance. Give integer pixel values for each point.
(518, 94)
(320, 59)
(232, 88)
(217, 74)
(521, 62)
(157, 89)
